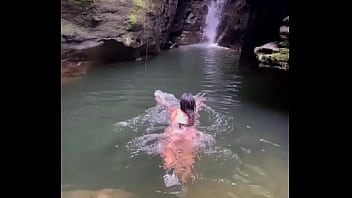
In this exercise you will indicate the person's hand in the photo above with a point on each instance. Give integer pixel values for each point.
(200, 100)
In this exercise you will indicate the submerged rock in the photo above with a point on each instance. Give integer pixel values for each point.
(72, 70)
(255, 169)
(260, 191)
(105, 193)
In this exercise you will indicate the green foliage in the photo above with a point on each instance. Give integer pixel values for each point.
(279, 57)
(132, 17)
(138, 3)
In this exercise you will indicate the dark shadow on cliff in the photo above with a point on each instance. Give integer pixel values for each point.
(246, 24)
(263, 26)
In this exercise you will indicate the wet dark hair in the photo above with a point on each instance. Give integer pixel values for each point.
(188, 106)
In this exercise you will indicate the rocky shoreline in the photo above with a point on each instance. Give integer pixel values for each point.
(100, 31)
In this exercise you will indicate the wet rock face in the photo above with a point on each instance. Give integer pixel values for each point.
(265, 18)
(113, 30)
(233, 23)
(272, 56)
(189, 22)
(108, 31)
(246, 24)
(127, 23)
(284, 33)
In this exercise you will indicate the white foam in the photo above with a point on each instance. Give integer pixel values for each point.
(152, 123)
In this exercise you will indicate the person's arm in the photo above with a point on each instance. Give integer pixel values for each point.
(163, 103)
(199, 102)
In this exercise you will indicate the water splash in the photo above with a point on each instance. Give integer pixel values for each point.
(219, 123)
(152, 139)
(149, 144)
(220, 153)
(269, 142)
(213, 20)
(156, 118)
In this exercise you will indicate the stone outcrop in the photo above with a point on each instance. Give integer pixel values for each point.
(275, 54)
(100, 31)
(189, 22)
(114, 30)
(246, 24)
(233, 24)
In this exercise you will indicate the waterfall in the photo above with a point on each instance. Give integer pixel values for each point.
(212, 20)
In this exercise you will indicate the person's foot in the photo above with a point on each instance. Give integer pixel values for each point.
(170, 171)
(170, 179)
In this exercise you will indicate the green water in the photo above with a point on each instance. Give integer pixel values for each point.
(254, 103)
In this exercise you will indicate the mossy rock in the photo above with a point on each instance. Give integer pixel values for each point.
(135, 27)
(267, 48)
(279, 57)
(69, 29)
(132, 17)
(138, 3)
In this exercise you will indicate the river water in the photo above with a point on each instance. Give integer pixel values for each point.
(247, 114)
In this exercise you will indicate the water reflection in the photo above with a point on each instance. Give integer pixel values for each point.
(220, 77)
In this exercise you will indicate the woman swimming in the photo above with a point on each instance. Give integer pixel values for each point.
(184, 116)
(178, 150)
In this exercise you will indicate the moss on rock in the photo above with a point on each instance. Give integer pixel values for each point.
(132, 17)
(275, 54)
(279, 57)
(138, 3)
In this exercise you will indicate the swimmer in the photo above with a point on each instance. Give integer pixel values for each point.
(178, 150)
(185, 116)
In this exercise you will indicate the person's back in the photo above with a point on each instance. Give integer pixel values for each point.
(178, 150)
(183, 116)
(177, 117)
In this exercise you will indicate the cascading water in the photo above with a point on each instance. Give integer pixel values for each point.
(213, 20)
